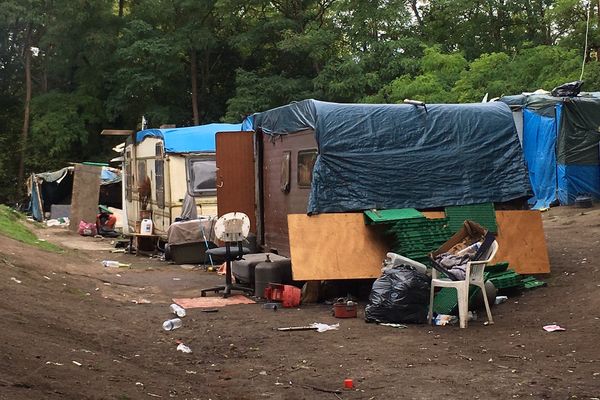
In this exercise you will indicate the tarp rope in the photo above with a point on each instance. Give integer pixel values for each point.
(587, 29)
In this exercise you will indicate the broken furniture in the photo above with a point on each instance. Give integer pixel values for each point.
(189, 240)
(231, 228)
(244, 270)
(474, 276)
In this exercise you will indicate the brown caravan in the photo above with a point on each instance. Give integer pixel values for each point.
(267, 184)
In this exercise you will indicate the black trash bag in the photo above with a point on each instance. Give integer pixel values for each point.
(570, 89)
(400, 295)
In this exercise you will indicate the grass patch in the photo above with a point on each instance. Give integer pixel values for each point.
(12, 224)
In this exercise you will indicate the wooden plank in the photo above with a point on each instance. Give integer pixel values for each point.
(335, 246)
(433, 214)
(116, 132)
(521, 241)
(84, 198)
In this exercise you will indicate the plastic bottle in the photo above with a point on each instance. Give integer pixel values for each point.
(171, 324)
(146, 227)
(110, 264)
(177, 310)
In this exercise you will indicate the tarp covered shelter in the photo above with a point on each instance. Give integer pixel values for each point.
(55, 187)
(560, 143)
(191, 139)
(400, 155)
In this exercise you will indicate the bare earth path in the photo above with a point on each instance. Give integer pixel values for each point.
(74, 330)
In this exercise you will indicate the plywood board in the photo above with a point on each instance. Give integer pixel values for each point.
(521, 241)
(84, 198)
(335, 246)
(433, 214)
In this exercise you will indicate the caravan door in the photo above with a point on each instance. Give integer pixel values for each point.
(236, 174)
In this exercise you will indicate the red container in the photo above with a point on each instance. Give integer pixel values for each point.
(348, 384)
(289, 295)
(344, 310)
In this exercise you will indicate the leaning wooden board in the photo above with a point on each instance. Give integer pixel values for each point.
(341, 246)
(334, 246)
(521, 241)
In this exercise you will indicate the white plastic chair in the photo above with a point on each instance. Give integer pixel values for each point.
(474, 276)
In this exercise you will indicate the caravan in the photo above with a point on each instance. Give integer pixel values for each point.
(161, 167)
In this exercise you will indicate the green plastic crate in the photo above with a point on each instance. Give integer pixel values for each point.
(390, 216)
(484, 214)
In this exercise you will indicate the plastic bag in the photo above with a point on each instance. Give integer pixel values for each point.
(400, 295)
(570, 89)
(87, 229)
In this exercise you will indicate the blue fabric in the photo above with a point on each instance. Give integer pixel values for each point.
(248, 123)
(539, 141)
(37, 214)
(192, 139)
(577, 180)
(107, 176)
(404, 156)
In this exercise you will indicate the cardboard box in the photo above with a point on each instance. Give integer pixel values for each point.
(470, 233)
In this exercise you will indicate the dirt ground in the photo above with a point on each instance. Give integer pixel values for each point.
(75, 330)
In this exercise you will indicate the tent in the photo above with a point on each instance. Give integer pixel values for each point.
(55, 188)
(402, 155)
(560, 143)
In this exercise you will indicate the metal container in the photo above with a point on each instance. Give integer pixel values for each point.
(279, 271)
(344, 309)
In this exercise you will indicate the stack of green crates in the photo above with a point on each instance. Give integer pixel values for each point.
(484, 214)
(505, 280)
(415, 238)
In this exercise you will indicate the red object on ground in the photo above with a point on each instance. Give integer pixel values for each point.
(344, 310)
(348, 384)
(289, 295)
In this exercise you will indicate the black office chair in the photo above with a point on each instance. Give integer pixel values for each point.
(231, 228)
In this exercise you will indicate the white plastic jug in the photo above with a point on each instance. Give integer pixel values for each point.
(146, 227)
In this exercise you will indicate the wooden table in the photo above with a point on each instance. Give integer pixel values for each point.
(140, 238)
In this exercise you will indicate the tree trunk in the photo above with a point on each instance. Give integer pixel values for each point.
(417, 14)
(121, 6)
(194, 75)
(25, 130)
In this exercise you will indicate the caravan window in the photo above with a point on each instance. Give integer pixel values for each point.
(159, 172)
(306, 164)
(202, 176)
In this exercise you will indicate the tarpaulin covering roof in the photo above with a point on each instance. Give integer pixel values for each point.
(561, 137)
(400, 155)
(108, 175)
(192, 139)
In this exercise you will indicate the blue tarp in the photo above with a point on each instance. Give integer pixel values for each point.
(577, 180)
(560, 141)
(192, 139)
(108, 176)
(397, 156)
(539, 141)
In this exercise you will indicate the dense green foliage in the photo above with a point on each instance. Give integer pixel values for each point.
(105, 63)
